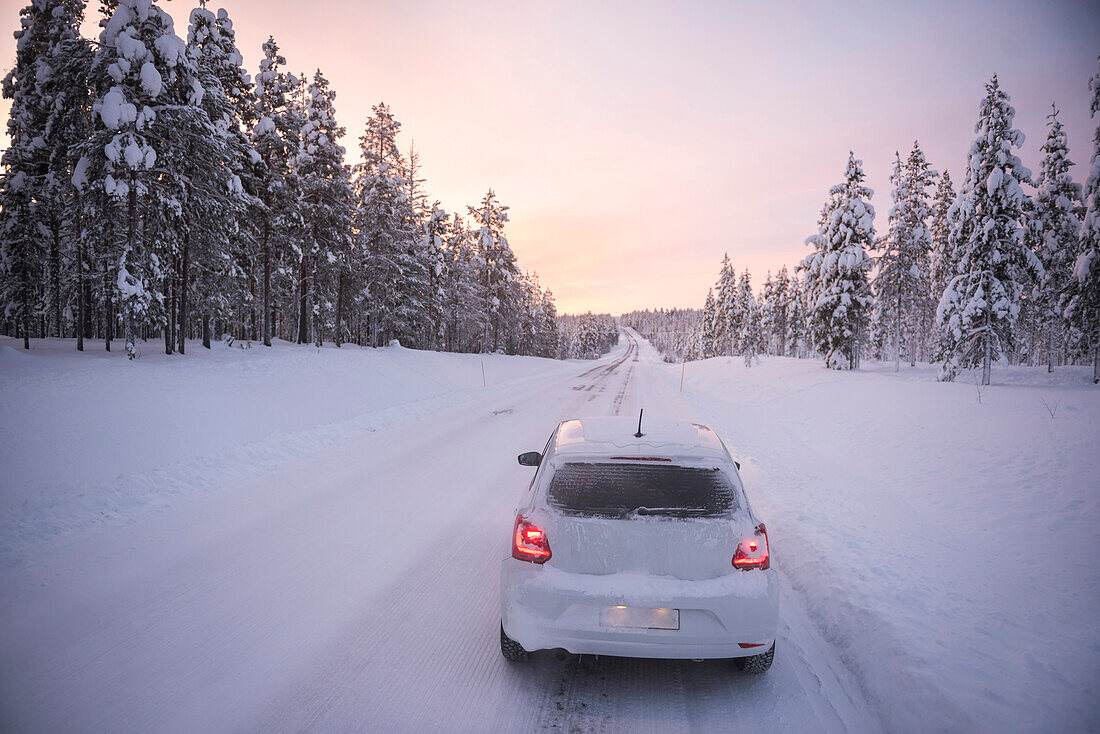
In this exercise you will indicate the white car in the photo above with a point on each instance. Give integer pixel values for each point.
(638, 544)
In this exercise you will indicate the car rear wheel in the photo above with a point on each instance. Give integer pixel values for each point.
(510, 649)
(757, 664)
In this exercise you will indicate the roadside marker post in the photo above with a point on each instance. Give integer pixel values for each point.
(683, 366)
(483, 373)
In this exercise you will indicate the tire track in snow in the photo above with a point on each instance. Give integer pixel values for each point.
(444, 609)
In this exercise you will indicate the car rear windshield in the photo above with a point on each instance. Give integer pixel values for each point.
(628, 490)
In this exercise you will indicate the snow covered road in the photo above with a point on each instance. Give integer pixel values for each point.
(356, 589)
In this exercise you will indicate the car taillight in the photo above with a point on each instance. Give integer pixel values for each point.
(753, 552)
(529, 542)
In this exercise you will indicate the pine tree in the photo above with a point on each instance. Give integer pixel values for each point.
(436, 227)
(274, 138)
(1082, 299)
(223, 240)
(836, 272)
(467, 318)
(396, 279)
(982, 301)
(146, 86)
(326, 206)
(727, 322)
(23, 258)
(1054, 231)
(941, 267)
(416, 195)
(775, 307)
(709, 326)
(499, 266)
(767, 302)
(48, 89)
(750, 338)
(901, 280)
(797, 318)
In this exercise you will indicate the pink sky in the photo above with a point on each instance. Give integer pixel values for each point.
(636, 142)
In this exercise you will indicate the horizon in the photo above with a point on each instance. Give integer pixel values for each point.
(619, 205)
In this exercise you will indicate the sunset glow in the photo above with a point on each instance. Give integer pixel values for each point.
(637, 142)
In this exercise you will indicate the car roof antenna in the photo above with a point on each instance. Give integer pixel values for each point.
(639, 434)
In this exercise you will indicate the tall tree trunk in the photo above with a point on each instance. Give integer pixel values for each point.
(858, 341)
(79, 294)
(131, 233)
(26, 295)
(267, 284)
(303, 323)
(314, 301)
(253, 326)
(206, 330)
(185, 262)
(55, 279)
(169, 313)
(987, 348)
(339, 336)
(897, 335)
(1050, 346)
(109, 306)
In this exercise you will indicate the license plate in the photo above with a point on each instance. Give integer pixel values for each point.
(640, 618)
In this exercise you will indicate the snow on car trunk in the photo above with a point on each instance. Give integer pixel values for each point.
(644, 517)
(689, 549)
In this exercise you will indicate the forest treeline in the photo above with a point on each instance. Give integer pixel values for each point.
(153, 188)
(993, 272)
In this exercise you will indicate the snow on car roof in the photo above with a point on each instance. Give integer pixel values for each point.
(616, 435)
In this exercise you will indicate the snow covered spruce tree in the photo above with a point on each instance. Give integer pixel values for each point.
(941, 263)
(499, 267)
(396, 278)
(797, 319)
(767, 298)
(750, 337)
(195, 194)
(901, 275)
(1082, 298)
(836, 272)
(708, 325)
(464, 318)
(982, 301)
(775, 311)
(435, 228)
(727, 318)
(223, 237)
(1053, 232)
(326, 208)
(38, 216)
(275, 139)
(147, 87)
(548, 339)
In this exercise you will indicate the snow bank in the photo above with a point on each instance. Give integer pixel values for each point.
(87, 438)
(944, 536)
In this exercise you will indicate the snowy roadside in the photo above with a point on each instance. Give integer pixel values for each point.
(945, 546)
(88, 440)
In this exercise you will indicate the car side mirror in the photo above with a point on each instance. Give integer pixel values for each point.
(531, 458)
(737, 464)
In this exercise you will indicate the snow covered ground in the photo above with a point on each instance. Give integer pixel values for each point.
(87, 438)
(945, 538)
(282, 539)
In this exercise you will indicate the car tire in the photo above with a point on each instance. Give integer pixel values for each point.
(510, 649)
(757, 664)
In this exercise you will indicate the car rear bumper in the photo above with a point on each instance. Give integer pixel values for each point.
(545, 608)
